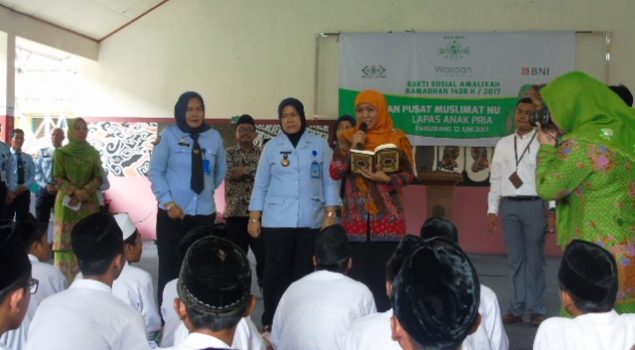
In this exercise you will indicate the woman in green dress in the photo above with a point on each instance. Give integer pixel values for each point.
(589, 171)
(78, 173)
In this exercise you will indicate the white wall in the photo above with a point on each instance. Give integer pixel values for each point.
(244, 56)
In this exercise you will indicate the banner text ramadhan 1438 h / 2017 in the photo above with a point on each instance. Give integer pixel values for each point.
(452, 88)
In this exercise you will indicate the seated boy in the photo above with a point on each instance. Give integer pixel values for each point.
(87, 315)
(491, 332)
(174, 330)
(588, 287)
(134, 285)
(316, 311)
(214, 288)
(16, 284)
(435, 298)
(51, 279)
(373, 331)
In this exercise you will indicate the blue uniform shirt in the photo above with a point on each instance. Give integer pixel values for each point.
(44, 167)
(5, 161)
(171, 170)
(294, 195)
(29, 171)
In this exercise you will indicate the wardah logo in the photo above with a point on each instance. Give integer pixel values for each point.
(454, 51)
(373, 71)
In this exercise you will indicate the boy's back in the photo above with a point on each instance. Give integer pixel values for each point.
(316, 311)
(592, 331)
(86, 316)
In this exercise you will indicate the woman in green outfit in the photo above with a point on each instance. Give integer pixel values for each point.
(589, 171)
(78, 173)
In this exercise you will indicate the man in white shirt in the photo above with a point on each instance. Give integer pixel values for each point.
(214, 291)
(87, 315)
(435, 298)
(174, 330)
(134, 285)
(316, 311)
(588, 287)
(523, 213)
(16, 284)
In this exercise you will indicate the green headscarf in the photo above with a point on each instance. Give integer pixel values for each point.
(586, 109)
(76, 147)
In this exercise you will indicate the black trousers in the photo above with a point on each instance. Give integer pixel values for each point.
(19, 207)
(369, 267)
(288, 253)
(169, 235)
(237, 233)
(3, 200)
(44, 203)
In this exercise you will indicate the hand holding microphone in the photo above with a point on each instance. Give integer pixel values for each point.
(360, 136)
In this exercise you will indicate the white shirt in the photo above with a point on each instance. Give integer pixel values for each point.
(371, 332)
(15, 339)
(316, 311)
(246, 336)
(594, 331)
(490, 334)
(196, 341)
(51, 279)
(504, 165)
(134, 287)
(171, 319)
(86, 316)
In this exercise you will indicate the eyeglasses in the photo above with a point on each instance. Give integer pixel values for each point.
(33, 284)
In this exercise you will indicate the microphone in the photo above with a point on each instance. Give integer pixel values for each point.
(363, 127)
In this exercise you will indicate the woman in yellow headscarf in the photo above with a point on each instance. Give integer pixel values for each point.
(373, 210)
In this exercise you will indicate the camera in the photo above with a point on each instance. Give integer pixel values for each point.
(542, 116)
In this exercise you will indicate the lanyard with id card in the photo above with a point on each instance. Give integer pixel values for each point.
(316, 168)
(514, 178)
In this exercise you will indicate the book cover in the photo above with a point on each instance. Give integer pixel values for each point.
(384, 157)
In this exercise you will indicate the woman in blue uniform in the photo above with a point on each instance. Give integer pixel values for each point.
(187, 165)
(293, 197)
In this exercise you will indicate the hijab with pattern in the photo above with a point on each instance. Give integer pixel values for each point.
(586, 109)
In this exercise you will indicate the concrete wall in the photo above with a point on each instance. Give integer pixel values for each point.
(246, 55)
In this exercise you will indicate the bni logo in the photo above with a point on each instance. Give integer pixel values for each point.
(540, 71)
(374, 71)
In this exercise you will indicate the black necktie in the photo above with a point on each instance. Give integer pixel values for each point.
(197, 182)
(18, 159)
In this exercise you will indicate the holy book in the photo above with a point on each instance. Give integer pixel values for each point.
(384, 157)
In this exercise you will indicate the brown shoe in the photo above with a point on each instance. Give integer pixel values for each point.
(510, 318)
(536, 319)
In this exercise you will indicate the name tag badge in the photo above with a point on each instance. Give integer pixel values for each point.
(515, 180)
(207, 166)
(316, 170)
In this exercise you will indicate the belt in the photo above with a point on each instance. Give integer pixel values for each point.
(523, 198)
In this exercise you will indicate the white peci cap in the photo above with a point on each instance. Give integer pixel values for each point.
(125, 224)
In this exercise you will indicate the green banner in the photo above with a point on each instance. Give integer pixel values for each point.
(445, 118)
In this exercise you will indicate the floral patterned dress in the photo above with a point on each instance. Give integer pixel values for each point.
(596, 187)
